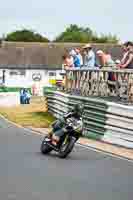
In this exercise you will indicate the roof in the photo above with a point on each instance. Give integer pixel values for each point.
(42, 55)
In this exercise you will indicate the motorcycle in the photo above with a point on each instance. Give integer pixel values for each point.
(71, 128)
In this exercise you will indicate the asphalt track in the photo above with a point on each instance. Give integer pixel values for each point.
(85, 175)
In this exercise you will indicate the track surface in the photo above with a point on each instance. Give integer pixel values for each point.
(85, 174)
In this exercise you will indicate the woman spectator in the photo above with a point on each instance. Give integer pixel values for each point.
(127, 61)
(68, 61)
(125, 52)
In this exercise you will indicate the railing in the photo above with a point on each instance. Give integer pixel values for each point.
(100, 82)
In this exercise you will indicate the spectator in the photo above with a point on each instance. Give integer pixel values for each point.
(125, 52)
(89, 56)
(105, 60)
(27, 97)
(127, 61)
(21, 96)
(68, 61)
(77, 50)
(76, 59)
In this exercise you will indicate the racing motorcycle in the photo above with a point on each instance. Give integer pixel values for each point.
(65, 132)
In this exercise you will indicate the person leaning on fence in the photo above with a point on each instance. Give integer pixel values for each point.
(127, 61)
(106, 61)
(125, 53)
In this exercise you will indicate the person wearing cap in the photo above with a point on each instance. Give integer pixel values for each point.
(89, 56)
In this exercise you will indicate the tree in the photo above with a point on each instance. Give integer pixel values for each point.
(25, 36)
(74, 33)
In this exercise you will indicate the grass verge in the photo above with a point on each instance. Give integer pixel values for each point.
(33, 115)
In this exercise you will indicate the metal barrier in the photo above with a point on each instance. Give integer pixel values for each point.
(106, 121)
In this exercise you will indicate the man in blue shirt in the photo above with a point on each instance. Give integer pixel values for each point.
(76, 59)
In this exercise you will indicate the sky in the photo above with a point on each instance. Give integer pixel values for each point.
(51, 17)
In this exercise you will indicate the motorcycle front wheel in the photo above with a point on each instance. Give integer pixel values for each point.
(45, 149)
(67, 148)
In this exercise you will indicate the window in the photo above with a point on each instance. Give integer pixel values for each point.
(17, 72)
(52, 73)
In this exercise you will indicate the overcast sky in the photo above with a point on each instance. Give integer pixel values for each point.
(50, 17)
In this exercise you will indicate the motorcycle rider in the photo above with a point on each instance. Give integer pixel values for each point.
(57, 126)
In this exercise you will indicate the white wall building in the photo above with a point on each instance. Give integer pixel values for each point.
(29, 76)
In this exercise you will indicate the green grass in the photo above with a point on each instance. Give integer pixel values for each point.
(11, 89)
(34, 115)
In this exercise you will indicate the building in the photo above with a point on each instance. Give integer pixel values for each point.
(31, 76)
(24, 64)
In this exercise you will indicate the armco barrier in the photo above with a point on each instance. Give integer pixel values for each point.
(106, 121)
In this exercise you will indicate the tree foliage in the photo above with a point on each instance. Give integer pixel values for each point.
(25, 36)
(74, 33)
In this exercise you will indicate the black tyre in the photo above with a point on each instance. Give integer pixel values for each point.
(69, 147)
(45, 149)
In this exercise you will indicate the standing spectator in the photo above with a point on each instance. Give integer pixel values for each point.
(125, 52)
(27, 97)
(76, 59)
(77, 50)
(127, 62)
(68, 61)
(89, 56)
(21, 96)
(77, 65)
